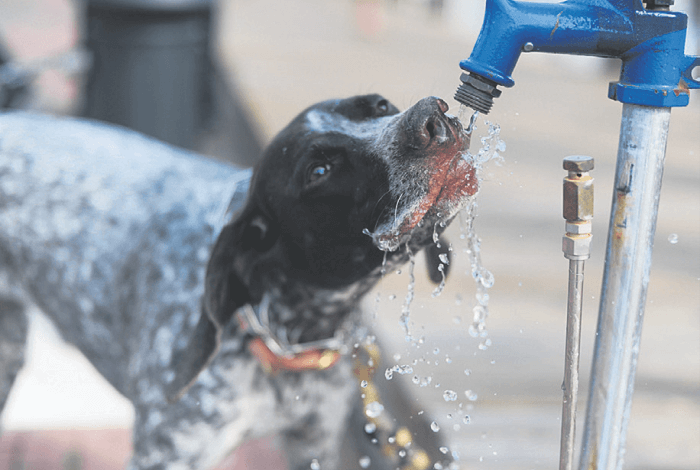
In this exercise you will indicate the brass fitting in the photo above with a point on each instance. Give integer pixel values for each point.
(578, 207)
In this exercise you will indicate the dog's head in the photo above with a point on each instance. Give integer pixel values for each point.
(344, 185)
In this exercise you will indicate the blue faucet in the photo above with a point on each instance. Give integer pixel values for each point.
(650, 42)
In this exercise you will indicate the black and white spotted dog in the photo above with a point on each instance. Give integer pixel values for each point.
(142, 254)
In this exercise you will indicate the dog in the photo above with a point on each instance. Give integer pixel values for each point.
(225, 305)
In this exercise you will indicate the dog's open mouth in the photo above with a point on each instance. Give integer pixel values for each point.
(451, 182)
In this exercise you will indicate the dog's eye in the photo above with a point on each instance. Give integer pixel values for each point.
(319, 171)
(382, 107)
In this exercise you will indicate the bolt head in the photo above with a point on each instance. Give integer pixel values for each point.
(578, 163)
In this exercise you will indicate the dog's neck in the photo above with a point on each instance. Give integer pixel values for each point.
(303, 314)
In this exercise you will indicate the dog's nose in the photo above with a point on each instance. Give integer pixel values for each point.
(433, 126)
(426, 124)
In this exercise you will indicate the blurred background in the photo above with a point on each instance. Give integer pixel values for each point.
(265, 61)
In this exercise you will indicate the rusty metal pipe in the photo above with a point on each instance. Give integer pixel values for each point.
(635, 204)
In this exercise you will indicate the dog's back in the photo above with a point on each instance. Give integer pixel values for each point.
(106, 231)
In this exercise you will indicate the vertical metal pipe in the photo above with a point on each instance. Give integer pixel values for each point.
(578, 212)
(573, 353)
(640, 160)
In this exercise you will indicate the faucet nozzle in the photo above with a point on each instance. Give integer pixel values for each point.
(477, 92)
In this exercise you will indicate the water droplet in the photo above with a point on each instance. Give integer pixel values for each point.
(467, 372)
(444, 258)
(370, 428)
(673, 238)
(402, 453)
(389, 374)
(484, 345)
(374, 409)
(425, 381)
(403, 370)
(436, 351)
(471, 395)
(448, 359)
(397, 357)
(434, 426)
(479, 313)
(487, 279)
(444, 450)
(365, 461)
(315, 465)
(467, 419)
(363, 384)
(392, 297)
(415, 379)
(449, 395)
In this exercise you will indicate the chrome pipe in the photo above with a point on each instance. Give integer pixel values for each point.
(578, 212)
(640, 161)
(571, 375)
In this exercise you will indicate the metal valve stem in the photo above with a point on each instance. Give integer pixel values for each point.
(576, 243)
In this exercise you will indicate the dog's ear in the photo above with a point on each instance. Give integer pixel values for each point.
(433, 256)
(225, 292)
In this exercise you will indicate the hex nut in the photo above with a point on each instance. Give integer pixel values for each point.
(578, 199)
(576, 246)
(578, 228)
(480, 84)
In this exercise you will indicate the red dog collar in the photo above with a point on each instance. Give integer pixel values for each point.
(275, 357)
(315, 359)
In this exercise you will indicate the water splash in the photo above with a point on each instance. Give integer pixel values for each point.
(483, 278)
(491, 145)
(436, 236)
(404, 319)
(438, 290)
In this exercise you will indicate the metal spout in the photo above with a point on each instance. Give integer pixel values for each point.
(655, 70)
